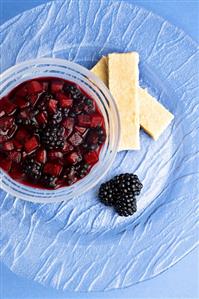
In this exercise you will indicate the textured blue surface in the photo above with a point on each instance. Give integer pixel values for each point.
(166, 90)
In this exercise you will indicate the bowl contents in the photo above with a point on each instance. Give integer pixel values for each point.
(154, 117)
(51, 133)
(120, 192)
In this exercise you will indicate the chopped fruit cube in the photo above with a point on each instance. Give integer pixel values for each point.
(31, 144)
(42, 118)
(2, 113)
(96, 120)
(75, 139)
(84, 120)
(56, 86)
(68, 124)
(65, 101)
(9, 107)
(6, 123)
(54, 155)
(15, 156)
(17, 145)
(52, 105)
(22, 135)
(91, 157)
(41, 156)
(92, 136)
(74, 158)
(25, 114)
(45, 85)
(33, 98)
(81, 130)
(34, 87)
(22, 103)
(53, 169)
(3, 138)
(67, 147)
(5, 164)
(22, 91)
(12, 131)
(8, 146)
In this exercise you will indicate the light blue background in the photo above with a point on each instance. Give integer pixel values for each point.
(179, 281)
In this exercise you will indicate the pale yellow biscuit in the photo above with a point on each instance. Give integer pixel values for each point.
(123, 81)
(101, 70)
(154, 117)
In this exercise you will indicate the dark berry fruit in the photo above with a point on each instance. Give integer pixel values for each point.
(32, 169)
(73, 91)
(120, 192)
(52, 137)
(126, 207)
(48, 181)
(106, 194)
(57, 117)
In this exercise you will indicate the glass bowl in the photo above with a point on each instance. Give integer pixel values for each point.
(52, 67)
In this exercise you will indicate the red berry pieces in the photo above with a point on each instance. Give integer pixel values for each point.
(51, 133)
(84, 120)
(42, 117)
(5, 164)
(15, 156)
(81, 130)
(75, 139)
(41, 156)
(53, 169)
(9, 107)
(31, 144)
(52, 106)
(8, 146)
(96, 121)
(91, 157)
(64, 100)
(22, 135)
(34, 87)
(6, 123)
(74, 158)
(56, 86)
(22, 103)
(55, 155)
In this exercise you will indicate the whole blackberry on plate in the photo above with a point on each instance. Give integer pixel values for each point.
(106, 194)
(126, 207)
(120, 192)
(32, 169)
(52, 137)
(128, 183)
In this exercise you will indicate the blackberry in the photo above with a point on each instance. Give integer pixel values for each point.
(65, 112)
(73, 91)
(52, 137)
(48, 181)
(120, 192)
(32, 169)
(82, 169)
(106, 194)
(126, 207)
(128, 183)
(57, 117)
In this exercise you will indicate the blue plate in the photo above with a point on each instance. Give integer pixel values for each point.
(83, 245)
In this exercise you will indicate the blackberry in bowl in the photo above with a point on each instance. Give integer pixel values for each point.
(59, 130)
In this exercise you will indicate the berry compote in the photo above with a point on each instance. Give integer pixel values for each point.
(51, 133)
